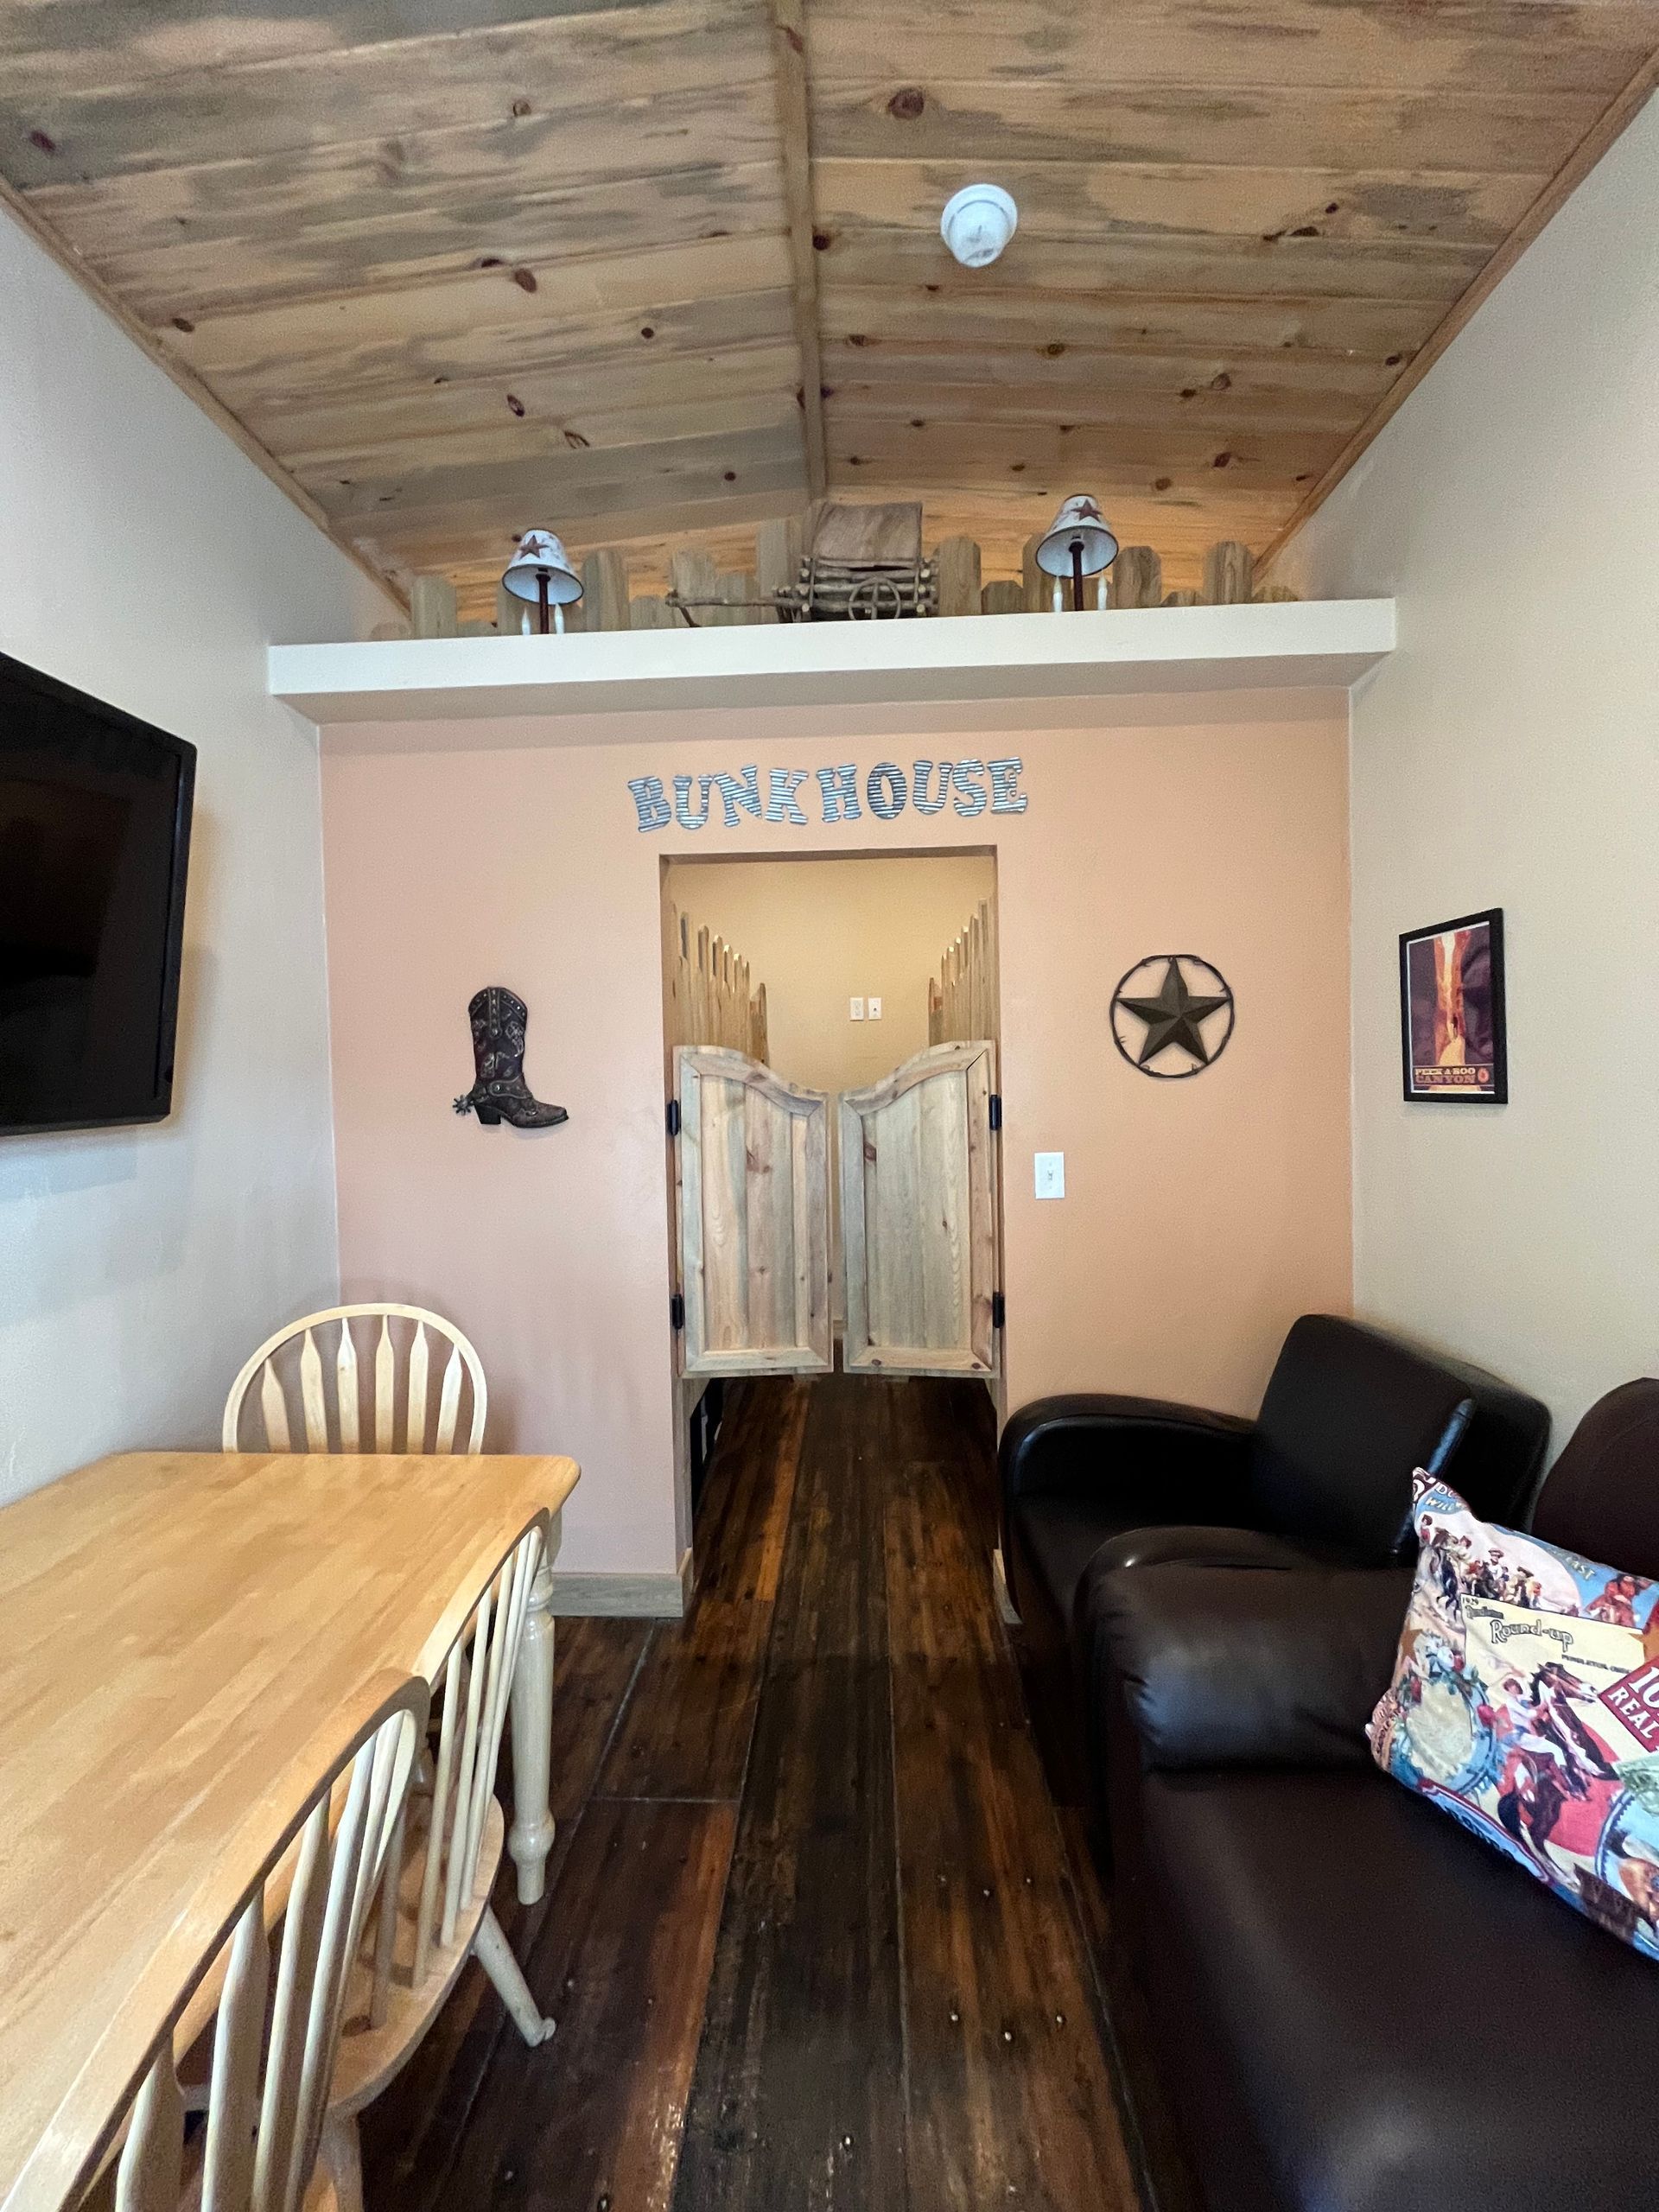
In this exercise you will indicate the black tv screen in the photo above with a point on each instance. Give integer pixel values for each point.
(94, 836)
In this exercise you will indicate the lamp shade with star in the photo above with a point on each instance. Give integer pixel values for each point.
(1076, 543)
(540, 572)
(1171, 1015)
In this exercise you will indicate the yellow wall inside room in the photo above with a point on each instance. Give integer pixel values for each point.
(819, 932)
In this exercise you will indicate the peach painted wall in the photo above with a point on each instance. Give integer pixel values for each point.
(1200, 1216)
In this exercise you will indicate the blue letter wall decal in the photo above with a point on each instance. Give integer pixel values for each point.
(1005, 774)
(932, 786)
(683, 813)
(885, 790)
(648, 797)
(782, 784)
(742, 789)
(919, 799)
(971, 793)
(840, 788)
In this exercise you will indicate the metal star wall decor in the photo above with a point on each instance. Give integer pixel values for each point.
(1179, 1027)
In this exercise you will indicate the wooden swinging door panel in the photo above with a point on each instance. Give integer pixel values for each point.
(752, 1183)
(919, 1216)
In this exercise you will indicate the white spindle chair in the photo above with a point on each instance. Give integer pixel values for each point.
(289, 1368)
(434, 1910)
(314, 1846)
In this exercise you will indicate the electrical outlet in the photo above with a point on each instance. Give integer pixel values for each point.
(874, 1006)
(1051, 1174)
(856, 1010)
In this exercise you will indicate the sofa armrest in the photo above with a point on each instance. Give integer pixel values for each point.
(1194, 1543)
(1178, 1463)
(1245, 1666)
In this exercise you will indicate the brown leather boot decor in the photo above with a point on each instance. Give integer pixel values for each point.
(499, 1018)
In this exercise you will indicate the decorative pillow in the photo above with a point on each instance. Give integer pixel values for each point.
(1525, 1702)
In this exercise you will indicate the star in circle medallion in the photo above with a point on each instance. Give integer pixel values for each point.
(1171, 1015)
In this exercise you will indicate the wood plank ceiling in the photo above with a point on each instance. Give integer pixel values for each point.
(463, 266)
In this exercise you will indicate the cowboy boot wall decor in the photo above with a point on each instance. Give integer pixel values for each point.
(501, 1094)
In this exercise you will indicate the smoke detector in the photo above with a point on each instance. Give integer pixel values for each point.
(978, 223)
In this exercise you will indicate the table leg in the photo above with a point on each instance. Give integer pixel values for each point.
(530, 1837)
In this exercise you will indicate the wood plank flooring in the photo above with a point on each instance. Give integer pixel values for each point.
(812, 1934)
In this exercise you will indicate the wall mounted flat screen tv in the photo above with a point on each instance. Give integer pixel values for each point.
(94, 836)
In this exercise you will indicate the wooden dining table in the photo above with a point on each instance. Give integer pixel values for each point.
(174, 1627)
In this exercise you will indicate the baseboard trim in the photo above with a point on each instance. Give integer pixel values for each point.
(611, 1597)
(999, 1585)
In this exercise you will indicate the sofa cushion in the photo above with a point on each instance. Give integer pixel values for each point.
(1363, 2011)
(1244, 1667)
(1525, 1703)
(1349, 1413)
(1602, 1498)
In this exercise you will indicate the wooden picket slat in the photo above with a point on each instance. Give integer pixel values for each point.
(963, 1002)
(711, 996)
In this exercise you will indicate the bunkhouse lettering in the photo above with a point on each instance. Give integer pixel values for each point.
(797, 798)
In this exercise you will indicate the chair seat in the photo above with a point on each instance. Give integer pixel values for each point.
(370, 2057)
(1470, 2044)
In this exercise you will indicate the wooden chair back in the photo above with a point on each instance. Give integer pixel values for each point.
(439, 1871)
(319, 1837)
(469, 1742)
(323, 1385)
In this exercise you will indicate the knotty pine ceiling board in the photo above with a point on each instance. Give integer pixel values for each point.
(460, 269)
(460, 266)
(1241, 221)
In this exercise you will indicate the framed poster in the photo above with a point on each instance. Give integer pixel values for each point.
(1452, 1011)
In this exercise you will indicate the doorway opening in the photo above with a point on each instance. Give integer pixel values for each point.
(832, 1033)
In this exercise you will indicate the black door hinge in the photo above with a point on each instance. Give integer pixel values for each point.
(677, 1311)
(673, 1117)
(999, 1309)
(996, 1109)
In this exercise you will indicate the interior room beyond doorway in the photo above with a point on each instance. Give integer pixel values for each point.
(822, 932)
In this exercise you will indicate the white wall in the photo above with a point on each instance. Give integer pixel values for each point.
(145, 559)
(1508, 754)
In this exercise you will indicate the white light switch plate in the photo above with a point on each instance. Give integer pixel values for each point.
(856, 1010)
(1051, 1174)
(875, 1008)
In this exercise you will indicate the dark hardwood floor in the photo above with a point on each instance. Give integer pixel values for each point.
(813, 1934)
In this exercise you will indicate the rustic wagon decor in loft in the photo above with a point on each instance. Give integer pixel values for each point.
(864, 563)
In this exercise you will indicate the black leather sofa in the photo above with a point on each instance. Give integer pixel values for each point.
(1095, 1484)
(1355, 2006)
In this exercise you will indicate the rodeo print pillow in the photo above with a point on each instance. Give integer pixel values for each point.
(1525, 1703)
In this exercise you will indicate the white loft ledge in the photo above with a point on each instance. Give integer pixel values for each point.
(1325, 644)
